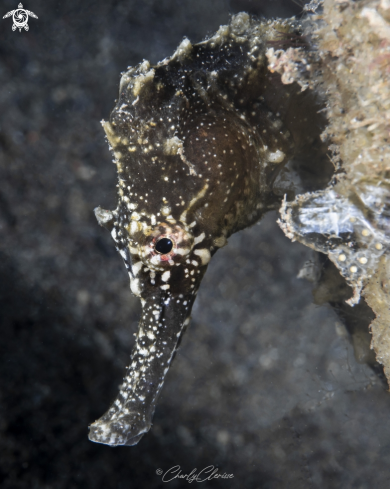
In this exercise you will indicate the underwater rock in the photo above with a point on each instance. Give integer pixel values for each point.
(349, 65)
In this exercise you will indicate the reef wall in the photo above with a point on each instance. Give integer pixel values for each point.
(349, 65)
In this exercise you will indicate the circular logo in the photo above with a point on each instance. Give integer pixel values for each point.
(20, 19)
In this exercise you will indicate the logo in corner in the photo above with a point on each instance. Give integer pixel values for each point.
(20, 18)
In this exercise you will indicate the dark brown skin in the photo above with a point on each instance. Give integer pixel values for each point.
(196, 151)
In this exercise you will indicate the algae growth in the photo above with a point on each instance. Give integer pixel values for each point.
(349, 65)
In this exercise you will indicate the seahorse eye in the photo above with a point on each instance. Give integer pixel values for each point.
(164, 246)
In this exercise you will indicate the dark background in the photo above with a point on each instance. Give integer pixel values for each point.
(265, 386)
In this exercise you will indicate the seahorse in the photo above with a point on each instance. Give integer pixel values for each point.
(197, 151)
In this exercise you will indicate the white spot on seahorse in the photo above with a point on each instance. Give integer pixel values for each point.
(204, 255)
(136, 267)
(199, 239)
(165, 210)
(165, 276)
(135, 286)
(134, 227)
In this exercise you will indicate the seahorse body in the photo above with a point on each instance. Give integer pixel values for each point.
(196, 152)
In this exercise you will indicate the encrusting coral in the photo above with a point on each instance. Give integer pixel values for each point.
(349, 65)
